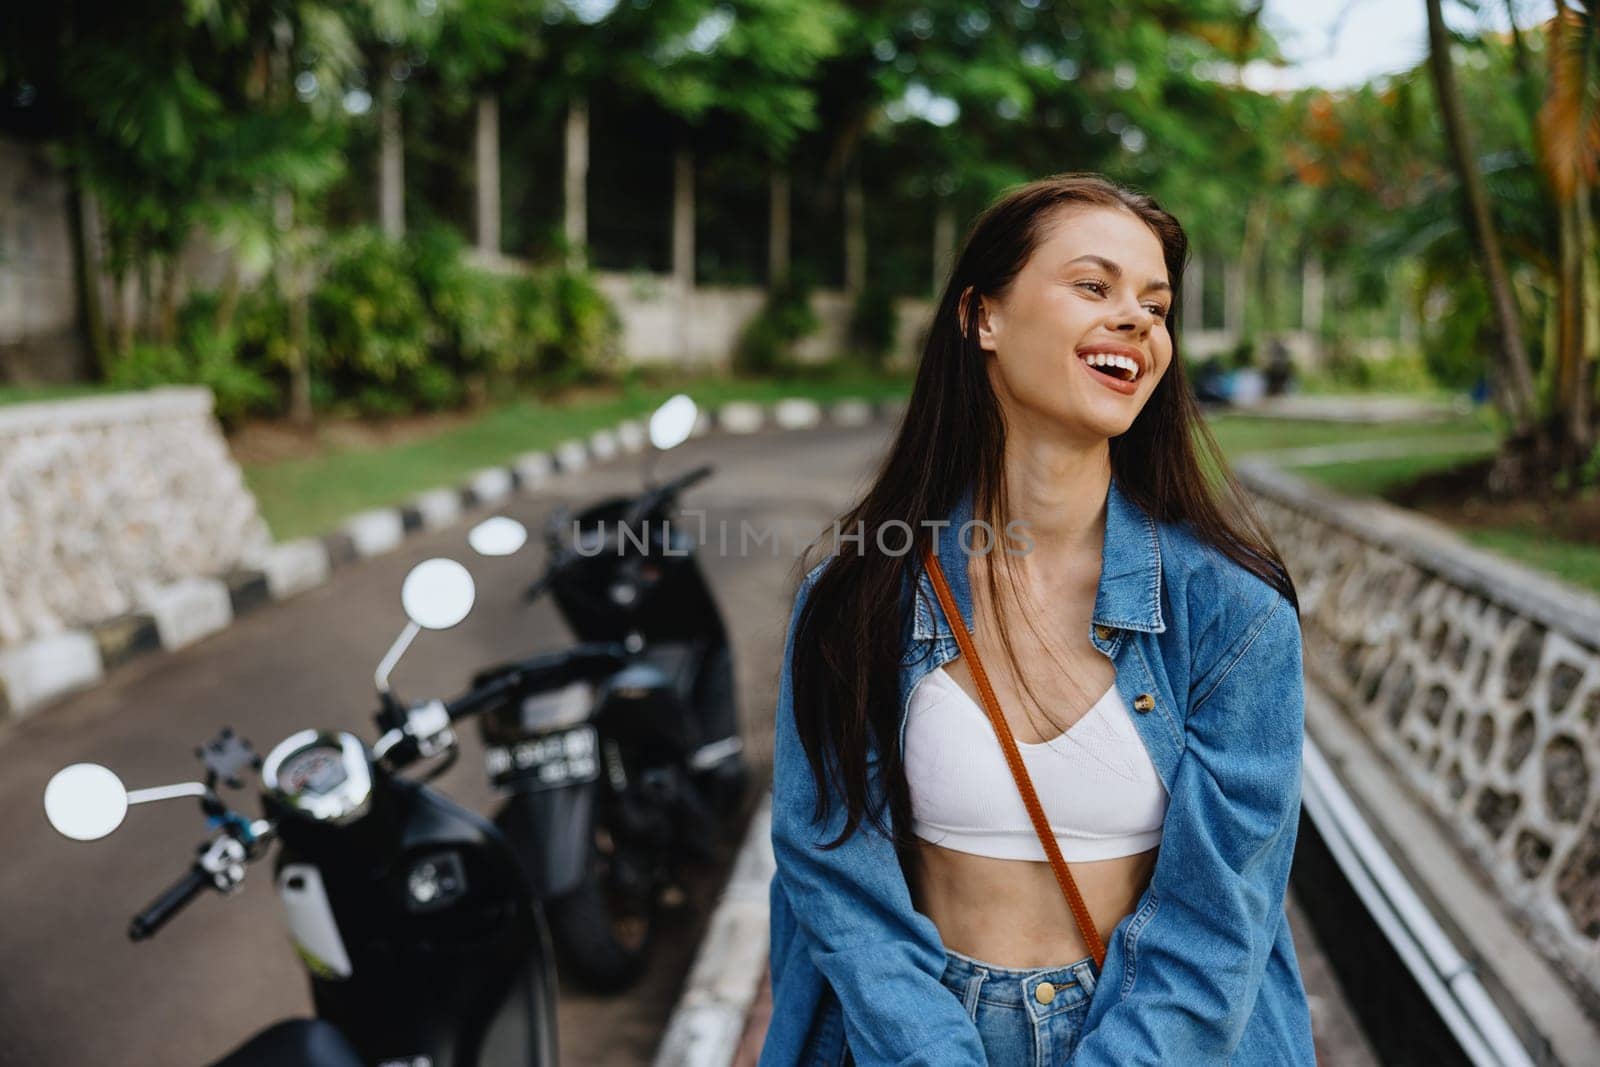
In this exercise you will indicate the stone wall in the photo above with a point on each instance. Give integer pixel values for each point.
(106, 501)
(1478, 679)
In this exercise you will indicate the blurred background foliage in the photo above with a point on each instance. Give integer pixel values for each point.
(262, 125)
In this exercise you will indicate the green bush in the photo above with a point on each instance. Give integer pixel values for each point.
(873, 323)
(1343, 369)
(581, 338)
(473, 309)
(204, 357)
(372, 336)
(766, 344)
(394, 327)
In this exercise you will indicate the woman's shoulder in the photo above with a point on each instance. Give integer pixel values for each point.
(1208, 580)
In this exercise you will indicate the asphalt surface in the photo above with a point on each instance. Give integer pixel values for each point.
(75, 991)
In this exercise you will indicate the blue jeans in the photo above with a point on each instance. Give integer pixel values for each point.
(1017, 1028)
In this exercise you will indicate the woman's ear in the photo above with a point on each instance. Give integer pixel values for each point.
(987, 317)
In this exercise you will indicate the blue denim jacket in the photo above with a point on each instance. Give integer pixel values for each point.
(1203, 970)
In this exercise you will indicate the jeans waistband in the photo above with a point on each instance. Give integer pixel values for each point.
(1017, 987)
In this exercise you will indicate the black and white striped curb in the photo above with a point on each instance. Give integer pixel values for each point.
(709, 1020)
(35, 674)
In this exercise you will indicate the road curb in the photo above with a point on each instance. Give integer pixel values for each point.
(36, 674)
(709, 1019)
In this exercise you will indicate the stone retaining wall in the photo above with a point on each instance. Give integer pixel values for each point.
(1478, 679)
(107, 502)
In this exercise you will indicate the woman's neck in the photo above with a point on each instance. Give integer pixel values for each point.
(1057, 490)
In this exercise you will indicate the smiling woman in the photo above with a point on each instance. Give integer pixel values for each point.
(1030, 807)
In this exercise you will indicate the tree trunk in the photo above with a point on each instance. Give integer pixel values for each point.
(1569, 328)
(300, 412)
(121, 314)
(487, 159)
(1579, 429)
(1513, 355)
(391, 160)
(683, 242)
(855, 231)
(147, 299)
(575, 183)
(944, 243)
(167, 306)
(86, 276)
(1311, 296)
(1233, 301)
(1246, 274)
(778, 215)
(297, 298)
(1194, 296)
(228, 296)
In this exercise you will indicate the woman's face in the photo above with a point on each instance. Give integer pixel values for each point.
(1095, 287)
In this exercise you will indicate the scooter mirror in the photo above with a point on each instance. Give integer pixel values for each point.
(499, 536)
(672, 422)
(85, 801)
(437, 594)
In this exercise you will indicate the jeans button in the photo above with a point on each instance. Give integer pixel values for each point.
(1044, 992)
(1103, 632)
(1144, 702)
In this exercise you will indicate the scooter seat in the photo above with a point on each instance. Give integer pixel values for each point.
(295, 1043)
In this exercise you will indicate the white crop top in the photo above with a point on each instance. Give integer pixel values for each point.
(1099, 790)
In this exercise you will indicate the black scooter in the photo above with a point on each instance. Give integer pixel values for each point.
(604, 850)
(412, 914)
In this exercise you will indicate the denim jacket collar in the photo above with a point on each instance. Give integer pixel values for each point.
(1129, 594)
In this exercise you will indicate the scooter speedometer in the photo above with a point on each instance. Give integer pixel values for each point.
(322, 775)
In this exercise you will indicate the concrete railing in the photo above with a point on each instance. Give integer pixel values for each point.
(1478, 680)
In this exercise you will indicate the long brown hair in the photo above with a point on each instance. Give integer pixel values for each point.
(849, 637)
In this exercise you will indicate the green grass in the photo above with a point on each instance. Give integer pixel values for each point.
(29, 394)
(1240, 435)
(311, 496)
(1575, 564)
(1373, 477)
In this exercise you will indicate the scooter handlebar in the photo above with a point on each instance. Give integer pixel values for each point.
(538, 673)
(169, 903)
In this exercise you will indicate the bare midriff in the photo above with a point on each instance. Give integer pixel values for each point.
(1013, 914)
(1008, 912)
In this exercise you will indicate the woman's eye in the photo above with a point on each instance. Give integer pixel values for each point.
(1099, 287)
(1157, 310)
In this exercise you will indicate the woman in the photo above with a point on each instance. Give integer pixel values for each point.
(1142, 637)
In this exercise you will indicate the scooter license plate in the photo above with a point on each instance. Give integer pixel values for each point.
(565, 757)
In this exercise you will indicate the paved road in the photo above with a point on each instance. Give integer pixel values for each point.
(75, 991)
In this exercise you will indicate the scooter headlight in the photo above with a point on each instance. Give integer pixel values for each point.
(435, 881)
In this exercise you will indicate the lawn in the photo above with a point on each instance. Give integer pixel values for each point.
(311, 495)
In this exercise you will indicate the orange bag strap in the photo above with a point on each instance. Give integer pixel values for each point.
(1002, 729)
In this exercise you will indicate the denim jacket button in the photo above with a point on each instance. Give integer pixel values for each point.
(1044, 992)
(1144, 702)
(1103, 632)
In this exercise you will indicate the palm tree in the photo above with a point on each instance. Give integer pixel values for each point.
(1520, 399)
(1569, 149)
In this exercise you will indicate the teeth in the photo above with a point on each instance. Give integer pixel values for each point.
(1106, 359)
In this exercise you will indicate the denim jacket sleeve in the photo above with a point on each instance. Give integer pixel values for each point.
(881, 956)
(1181, 977)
